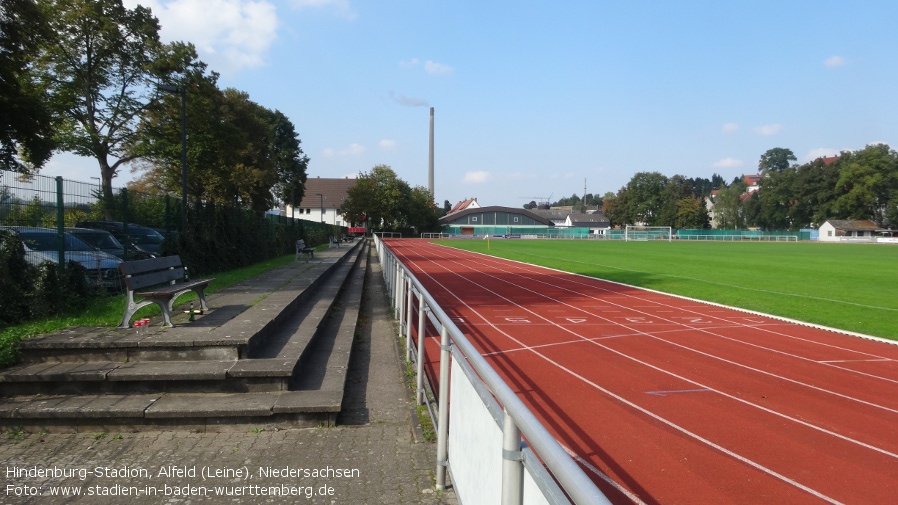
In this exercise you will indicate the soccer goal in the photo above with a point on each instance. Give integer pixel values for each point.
(643, 233)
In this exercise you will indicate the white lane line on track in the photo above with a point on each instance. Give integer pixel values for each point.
(691, 381)
(621, 399)
(705, 330)
(651, 414)
(602, 475)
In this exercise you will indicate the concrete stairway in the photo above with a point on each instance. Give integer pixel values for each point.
(272, 351)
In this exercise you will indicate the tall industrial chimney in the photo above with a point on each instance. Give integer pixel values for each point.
(430, 158)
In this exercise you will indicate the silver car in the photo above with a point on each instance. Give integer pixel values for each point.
(42, 244)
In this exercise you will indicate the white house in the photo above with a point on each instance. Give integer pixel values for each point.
(322, 201)
(837, 230)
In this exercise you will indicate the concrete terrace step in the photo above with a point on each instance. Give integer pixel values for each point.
(303, 346)
(198, 412)
(286, 348)
(241, 317)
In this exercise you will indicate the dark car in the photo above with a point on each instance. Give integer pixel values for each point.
(101, 239)
(141, 239)
(42, 244)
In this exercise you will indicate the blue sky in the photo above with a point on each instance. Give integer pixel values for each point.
(533, 98)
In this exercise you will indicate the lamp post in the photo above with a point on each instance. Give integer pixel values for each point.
(321, 203)
(183, 92)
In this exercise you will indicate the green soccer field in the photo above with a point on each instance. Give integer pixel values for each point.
(848, 286)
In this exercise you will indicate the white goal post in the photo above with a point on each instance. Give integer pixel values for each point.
(643, 233)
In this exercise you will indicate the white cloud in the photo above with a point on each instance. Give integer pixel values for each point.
(437, 68)
(820, 152)
(408, 101)
(835, 61)
(354, 149)
(341, 8)
(730, 127)
(387, 144)
(768, 130)
(727, 163)
(409, 63)
(477, 177)
(229, 35)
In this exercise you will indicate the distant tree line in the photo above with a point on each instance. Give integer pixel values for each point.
(859, 184)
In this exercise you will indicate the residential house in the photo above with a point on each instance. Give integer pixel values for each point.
(838, 230)
(322, 201)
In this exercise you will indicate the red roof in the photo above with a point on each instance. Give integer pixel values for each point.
(460, 206)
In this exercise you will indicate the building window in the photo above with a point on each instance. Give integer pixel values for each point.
(474, 219)
(516, 219)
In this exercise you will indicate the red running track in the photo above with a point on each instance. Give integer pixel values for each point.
(669, 400)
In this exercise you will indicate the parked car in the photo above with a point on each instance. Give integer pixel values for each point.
(42, 244)
(100, 239)
(138, 238)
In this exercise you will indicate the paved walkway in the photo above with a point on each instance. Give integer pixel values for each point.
(371, 457)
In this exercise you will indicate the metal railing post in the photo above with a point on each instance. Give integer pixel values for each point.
(420, 387)
(512, 463)
(443, 427)
(397, 293)
(408, 319)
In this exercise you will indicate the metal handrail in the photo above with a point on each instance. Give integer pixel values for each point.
(570, 476)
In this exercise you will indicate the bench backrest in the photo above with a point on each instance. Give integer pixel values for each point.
(150, 272)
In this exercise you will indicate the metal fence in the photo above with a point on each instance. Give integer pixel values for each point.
(216, 239)
(484, 450)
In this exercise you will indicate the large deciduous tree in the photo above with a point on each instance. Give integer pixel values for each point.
(868, 183)
(289, 160)
(776, 160)
(644, 197)
(386, 202)
(25, 124)
(100, 70)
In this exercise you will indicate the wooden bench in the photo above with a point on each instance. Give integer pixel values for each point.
(161, 276)
(302, 249)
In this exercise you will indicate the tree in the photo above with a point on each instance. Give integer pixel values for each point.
(422, 212)
(289, 160)
(616, 208)
(644, 197)
(99, 67)
(728, 207)
(25, 125)
(389, 203)
(775, 160)
(868, 183)
(691, 213)
(677, 189)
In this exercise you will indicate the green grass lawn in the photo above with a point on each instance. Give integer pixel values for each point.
(108, 311)
(848, 286)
